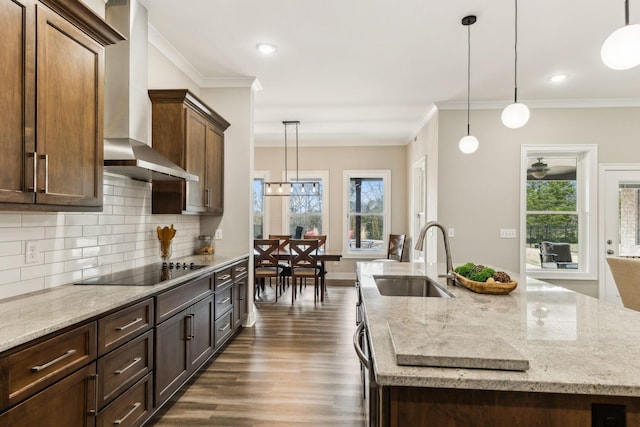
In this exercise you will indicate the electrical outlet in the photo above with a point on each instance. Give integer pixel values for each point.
(218, 234)
(451, 232)
(31, 252)
(507, 233)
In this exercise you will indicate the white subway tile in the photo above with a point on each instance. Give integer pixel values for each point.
(10, 248)
(80, 264)
(111, 220)
(66, 231)
(29, 233)
(96, 271)
(110, 259)
(43, 270)
(51, 244)
(21, 287)
(10, 262)
(10, 220)
(62, 279)
(81, 219)
(9, 276)
(80, 242)
(62, 255)
(95, 230)
(94, 251)
(43, 220)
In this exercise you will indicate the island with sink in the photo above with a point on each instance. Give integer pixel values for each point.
(439, 354)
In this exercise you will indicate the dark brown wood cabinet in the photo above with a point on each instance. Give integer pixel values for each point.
(51, 97)
(240, 280)
(184, 341)
(191, 134)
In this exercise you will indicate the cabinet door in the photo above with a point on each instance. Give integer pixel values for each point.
(69, 76)
(17, 100)
(171, 365)
(239, 302)
(196, 162)
(69, 402)
(201, 339)
(215, 170)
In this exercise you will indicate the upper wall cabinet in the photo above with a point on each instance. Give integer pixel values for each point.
(51, 107)
(189, 133)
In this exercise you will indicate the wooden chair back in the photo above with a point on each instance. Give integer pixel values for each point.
(303, 254)
(283, 241)
(321, 238)
(395, 250)
(266, 253)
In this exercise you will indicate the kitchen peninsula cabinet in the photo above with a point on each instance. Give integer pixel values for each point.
(191, 134)
(51, 104)
(240, 279)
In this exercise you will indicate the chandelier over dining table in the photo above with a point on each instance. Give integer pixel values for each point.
(295, 186)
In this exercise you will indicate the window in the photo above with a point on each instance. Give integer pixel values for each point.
(559, 232)
(259, 205)
(310, 209)
(368, 206)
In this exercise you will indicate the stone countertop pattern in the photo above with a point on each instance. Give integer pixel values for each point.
(574, 343)
(30, 316)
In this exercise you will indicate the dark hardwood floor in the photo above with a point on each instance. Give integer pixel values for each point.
(295, 367)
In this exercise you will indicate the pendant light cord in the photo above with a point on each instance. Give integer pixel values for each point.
(515, 62)
(286, 169)
(468, 77)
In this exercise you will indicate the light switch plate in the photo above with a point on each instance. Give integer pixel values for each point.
(508, 233)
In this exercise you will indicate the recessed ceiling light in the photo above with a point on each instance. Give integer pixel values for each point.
(266, 48)
(558, 78)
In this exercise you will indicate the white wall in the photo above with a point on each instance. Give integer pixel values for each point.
(479, 193)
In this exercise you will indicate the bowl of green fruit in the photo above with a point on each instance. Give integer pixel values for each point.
(484, 280)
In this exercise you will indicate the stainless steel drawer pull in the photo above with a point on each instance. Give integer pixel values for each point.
(242, 269)
(126, 368)
(45, 157)
(128, 325)
(121, 420)
(54, 361)
(225, 327)
(225, 277)
(224, 301)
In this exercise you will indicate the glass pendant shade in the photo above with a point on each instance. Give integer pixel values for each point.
(468, 144)
(515, 115)
(621, 50)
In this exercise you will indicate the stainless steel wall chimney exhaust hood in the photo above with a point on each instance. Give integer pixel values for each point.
(126, 102)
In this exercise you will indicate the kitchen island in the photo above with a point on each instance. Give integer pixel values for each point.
(582, 355)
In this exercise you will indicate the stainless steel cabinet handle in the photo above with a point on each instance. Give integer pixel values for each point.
(225, 277)
(224, 301)
(126, 368)
(95, 396)
(207, 196)
(121, 420)
(54, 361)
(189, 326)
(225, 327)
(193, 326)
(356, 345)
(128, 325)
(34, 155)
(45, 157)
(242, 269)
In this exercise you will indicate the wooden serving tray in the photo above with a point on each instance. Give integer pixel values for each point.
(494, 288)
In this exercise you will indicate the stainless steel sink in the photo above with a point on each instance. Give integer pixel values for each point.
(404, 286)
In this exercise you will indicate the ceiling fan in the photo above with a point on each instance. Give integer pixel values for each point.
(538, 169)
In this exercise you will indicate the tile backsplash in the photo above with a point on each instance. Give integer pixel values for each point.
(74, 245)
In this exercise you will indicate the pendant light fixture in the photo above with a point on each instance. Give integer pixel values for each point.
(469, 143)
(621, 50)
(286, 187)
(515, 115)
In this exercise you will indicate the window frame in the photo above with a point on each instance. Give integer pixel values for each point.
(347, 175)
(309, 174)
(264, 175)
(586, 205)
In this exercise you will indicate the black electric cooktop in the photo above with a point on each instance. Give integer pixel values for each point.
(148, 275)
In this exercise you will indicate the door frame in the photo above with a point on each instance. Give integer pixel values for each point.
(603, 269)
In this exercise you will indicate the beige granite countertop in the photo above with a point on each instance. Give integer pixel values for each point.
(574, 343)
(30, 316)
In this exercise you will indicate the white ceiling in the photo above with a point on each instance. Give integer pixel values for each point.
(369, 71)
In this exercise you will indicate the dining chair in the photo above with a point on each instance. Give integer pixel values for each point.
(322, 246)
(283, 242)
(304, 265)
(626, 274)
(266, 264)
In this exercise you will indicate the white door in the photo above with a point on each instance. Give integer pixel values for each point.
(418, 203)
(620, 221)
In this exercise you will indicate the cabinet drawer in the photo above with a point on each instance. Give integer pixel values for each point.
(240, 270)
(223, 301)
(224, 328)
(117, 328)
(223, 277)
(132, 408)
(32, 369)
(179, 298)
(124, 366)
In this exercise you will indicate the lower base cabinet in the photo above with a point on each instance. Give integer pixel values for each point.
(183, 343)
(131, 408)
(70, 402)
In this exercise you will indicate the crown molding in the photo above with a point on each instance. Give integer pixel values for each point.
(218, 82)
(168, 50)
